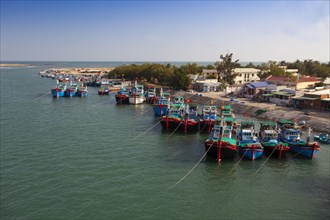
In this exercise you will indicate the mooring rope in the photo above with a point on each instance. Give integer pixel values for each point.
(265, 161)
(238, 162)
(40, 96)
(147, 130)
(175, 129)
(140, 113)
(192, 169)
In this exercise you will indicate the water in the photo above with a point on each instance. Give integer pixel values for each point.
(87, 158)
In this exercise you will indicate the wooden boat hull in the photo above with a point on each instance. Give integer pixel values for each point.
(302, 148)
(58, 93)
(226, 151)
(122, 99)
(159, 112)
(251, 154)
(82, 93)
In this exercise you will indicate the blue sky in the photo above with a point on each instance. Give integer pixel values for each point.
(164, 30)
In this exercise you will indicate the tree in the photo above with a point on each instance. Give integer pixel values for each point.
(225, 69)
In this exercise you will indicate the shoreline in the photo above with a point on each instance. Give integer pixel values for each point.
(318, 121)
(14, 65)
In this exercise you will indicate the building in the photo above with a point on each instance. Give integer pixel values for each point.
(318, 99)
(251, 89)
(304, 82)
(279, 80)
(246, 75)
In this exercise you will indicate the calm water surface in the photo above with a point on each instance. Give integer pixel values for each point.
(87, 158)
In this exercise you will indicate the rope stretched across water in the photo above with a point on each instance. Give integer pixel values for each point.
(192, 169)
(238, 162)
(140, 113)
(265, 161)
(143, 133)
(175, 129)
(41, 96)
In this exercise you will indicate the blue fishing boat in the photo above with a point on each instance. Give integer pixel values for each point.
(162, 104)
(322, 138)
(71, 91)
(288, 134)
(59, 90)
(248, 143)
(298, 146)
(82, 91)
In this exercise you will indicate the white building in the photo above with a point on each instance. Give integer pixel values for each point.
(246, 75)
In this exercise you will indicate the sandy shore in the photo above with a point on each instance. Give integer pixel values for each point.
(319, 121)
(13, 65)
(82, 71)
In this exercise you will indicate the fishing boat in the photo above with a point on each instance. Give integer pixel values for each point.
(71, 91)
(114, 86)
(292, 137)
(161, 106)
(208, 118)
(248, 143)
(322, 138)
(151, 96)
(59, 90)
(173, 120)
(104, 90)
(82, 91)
(220, 143)
(122, 95)
(269, 140)
(191, 119)
(137, 95)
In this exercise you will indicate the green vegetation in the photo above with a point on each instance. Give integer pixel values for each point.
(159, 74)
(306, 67)
(225, 69)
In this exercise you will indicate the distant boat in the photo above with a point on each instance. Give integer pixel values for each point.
(322, 138)
(104, 90)
(59, 90)
(71, 91)
(151, 96)
(82, 91)
(122, 96)
(208, 118)
(137, 95)
(191, 119)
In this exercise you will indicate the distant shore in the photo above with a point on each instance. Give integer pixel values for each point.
(13, 65)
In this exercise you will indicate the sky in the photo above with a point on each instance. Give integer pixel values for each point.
(192, 31)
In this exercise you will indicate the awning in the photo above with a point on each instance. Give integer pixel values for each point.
(305, 98)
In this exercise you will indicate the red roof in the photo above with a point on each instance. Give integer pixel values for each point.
(308, 79)
(277, 78)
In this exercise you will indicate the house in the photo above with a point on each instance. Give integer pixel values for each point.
(318, 99)
(251, 89)
(246, 75)
(278, 94)
(304, 82)
(206, 85)
(279, 80)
